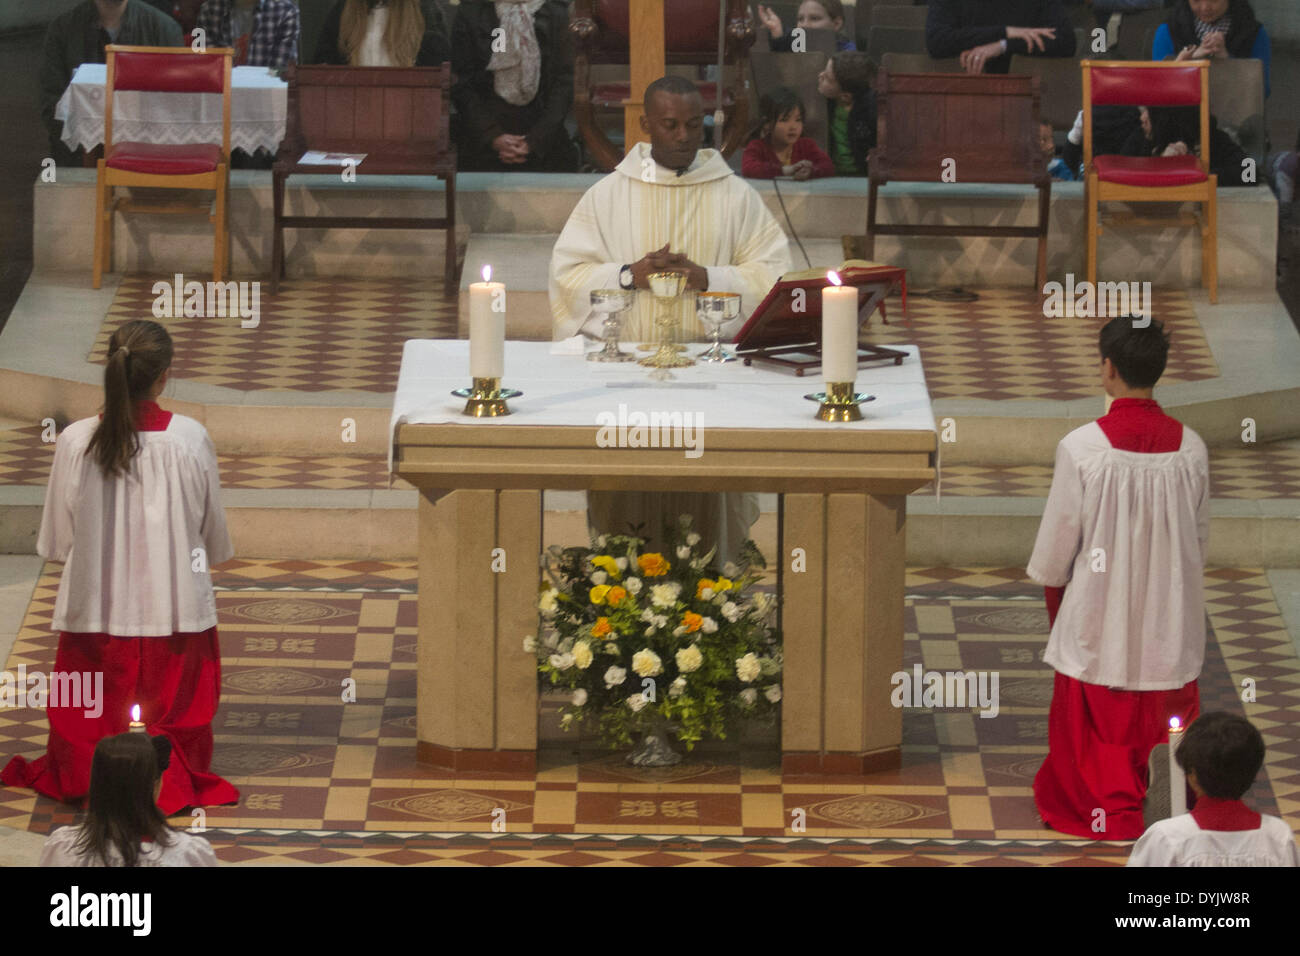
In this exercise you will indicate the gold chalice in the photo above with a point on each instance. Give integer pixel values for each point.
(666, 287)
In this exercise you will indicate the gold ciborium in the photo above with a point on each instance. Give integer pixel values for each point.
(666, 287)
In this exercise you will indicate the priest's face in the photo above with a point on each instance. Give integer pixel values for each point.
(675, 123)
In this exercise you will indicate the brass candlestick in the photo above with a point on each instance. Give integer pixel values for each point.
(486, 398)
(840, 403)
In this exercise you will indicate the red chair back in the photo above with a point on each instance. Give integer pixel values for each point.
(181, 72)
(1143, 86)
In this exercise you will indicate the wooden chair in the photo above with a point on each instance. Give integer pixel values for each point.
(1150, 178)
(987, 124)
(397, 116)
(159, 166)
(600, 36)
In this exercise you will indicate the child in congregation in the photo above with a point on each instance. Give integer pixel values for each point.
(1057, 167)
(847, 82)
(1221, 754)
(812, 15)
(779, 147)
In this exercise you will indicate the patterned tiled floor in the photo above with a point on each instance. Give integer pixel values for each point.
(1002, 347)
(1270, 470)
(305, 761)
(327, 334)
(316, 335)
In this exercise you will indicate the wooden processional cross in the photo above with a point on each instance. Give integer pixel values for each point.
(646, 49)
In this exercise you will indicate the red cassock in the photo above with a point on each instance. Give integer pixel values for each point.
(1100, 737)
(175, 679)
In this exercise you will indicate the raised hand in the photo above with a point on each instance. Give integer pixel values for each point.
(770, 20)
(1035, 37)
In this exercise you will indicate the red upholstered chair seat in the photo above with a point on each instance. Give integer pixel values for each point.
(1149, 170)
(160, 160)
(613, 95)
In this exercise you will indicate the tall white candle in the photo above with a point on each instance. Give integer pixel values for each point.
(1177, 780)
(839, 331)
(487, 327)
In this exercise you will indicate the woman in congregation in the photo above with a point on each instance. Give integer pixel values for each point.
(513, 62)
(133, 512)
(383, 33)
(1202, 29)
(123, 825)
(812, 15)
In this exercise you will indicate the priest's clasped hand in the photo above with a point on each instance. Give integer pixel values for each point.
(662, 260)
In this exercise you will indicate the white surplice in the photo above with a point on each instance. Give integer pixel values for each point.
(708, 213)
(716, 220)
(1139, 624)
(129, 542)
(184, 850)
(1179, 841)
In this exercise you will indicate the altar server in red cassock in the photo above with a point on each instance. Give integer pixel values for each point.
(1121, 551)
(132, 510)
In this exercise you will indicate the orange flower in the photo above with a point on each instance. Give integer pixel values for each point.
(653, 565)
(705, 583)
(615, 595)
(692, 621)
(601, 627)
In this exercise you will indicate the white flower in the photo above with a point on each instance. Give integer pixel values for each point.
(706, 594)
(566, 721)
(633, 585)
(582, 655)
(720, 599)
(647, 663)
(621, 563)
(602, 541)
(530, 644)
(579, 697)
(710, 626)
(636, 702)
(548, 603)
(692, 539)
(732, 611)
(561, 662)
(747, 668)
(610, 648)
(648, 616)
(650, 631)
(729, 570)
(689, 659)
(615, 676)
(551, 639)
(665, 595)
(599, 577)
(677, 687)
(763, 603)
(749, 696)
(773, 693)
(683, 552)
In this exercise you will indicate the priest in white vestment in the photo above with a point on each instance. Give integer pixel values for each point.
(669, 205)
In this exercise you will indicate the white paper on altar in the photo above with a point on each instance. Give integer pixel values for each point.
(258, 106)
(569, 390)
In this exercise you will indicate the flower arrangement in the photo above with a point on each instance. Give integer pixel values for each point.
(645, 639)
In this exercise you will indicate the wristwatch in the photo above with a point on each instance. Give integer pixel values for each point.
(625, 278)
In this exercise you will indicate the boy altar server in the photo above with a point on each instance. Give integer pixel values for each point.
(1121, 551)
(1221, 754)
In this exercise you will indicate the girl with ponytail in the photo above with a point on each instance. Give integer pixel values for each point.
(133, 511)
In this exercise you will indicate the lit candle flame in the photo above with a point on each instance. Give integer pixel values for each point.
(834, 278)
(1175, 724)
(135, 712)
(487, 273)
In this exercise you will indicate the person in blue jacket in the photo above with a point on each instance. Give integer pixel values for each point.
(1199, 29)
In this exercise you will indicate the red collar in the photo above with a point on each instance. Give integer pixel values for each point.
(149, 417)
(1123, 404)
(1212, 813)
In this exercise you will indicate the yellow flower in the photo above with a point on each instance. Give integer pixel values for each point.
(723, 584)
(597, 595)
(692, 622)
(601, 627)
(703, 584)
(616, 595)
(653, 565)
(607, 564)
